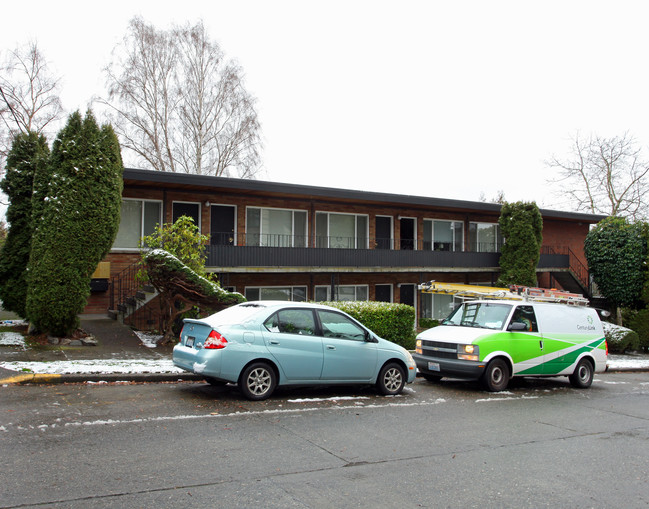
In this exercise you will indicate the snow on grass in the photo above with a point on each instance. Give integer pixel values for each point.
(149, 340)
(12, 339)
(97, 366)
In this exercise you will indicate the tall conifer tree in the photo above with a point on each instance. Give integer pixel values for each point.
(28, 156)
(77, 223)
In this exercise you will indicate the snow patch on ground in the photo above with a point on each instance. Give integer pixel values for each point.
(12, 339)
(149, 340)
(99, 366)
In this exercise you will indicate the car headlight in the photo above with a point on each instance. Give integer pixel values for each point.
(468, 352)
(418, 347)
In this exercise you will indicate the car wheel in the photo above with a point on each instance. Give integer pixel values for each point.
(496, 376)
(392, 379)
(432, 378)
(582, 378)
(214, 381)
(257, 381)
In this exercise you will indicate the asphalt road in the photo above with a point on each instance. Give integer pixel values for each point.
(540, 444)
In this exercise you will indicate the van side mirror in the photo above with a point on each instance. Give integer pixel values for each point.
(517, 326)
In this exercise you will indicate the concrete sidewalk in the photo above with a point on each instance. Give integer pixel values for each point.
(120, 355)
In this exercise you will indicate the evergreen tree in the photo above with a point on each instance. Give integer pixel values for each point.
(28, 156)
(521, 224)
(76, 224)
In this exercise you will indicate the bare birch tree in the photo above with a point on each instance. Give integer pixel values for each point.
(605, 176)
(29, 96)
(179, 105)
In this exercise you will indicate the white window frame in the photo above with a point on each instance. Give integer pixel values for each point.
(356, 216)
(337, 287)
(200, 211)
(270, 287)
(236, 218)
(292, 236)
(141, 200)
(477, 241)
(432, 231)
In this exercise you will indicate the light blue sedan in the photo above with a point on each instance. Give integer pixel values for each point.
(260, 345)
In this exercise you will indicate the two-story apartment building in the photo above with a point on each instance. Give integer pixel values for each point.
(273, 240)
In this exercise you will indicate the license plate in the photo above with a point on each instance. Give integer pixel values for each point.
(189, 342)
(433, 366)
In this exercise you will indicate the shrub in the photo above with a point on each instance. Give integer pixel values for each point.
(620, 339)
(428, 323)
(639, 323)
(394, 322)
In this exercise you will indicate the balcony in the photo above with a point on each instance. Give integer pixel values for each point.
(287, 253)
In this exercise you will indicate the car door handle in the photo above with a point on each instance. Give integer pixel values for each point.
(331, 347)
(541, 344)
(274, 342)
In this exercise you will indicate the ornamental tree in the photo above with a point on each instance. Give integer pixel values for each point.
(76, 223)
(521, 225)
(28, 155)
(616, 251)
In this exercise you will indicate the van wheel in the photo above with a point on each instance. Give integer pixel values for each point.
(496, 376)
(582, 378)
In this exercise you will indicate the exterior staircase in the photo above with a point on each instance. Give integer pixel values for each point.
(129, 298)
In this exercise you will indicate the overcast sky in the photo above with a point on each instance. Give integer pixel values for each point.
(451, 99)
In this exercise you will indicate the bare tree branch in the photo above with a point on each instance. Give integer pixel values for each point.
(605, 176)
(179, 105)
(30, 96)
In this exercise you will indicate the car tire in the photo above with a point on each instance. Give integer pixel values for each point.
(582, 378)
(258, 381)
(391, 380)
(496, 376)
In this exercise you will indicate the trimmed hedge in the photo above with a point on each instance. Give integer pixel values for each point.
(620, 339)
(394, 322)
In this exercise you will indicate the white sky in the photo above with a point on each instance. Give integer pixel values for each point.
(434, 98)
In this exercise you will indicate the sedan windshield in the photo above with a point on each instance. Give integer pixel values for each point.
(479, 314)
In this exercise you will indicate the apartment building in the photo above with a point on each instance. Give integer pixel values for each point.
(272, 240)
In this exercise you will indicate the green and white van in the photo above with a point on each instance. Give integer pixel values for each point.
(495, 340)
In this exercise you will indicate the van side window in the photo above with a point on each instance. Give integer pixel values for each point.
(526, 315)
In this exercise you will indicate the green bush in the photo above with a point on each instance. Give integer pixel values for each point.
(394, 322)
(428, 323)
(620, 339)
(639, 323)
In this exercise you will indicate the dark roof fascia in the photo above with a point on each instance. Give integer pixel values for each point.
(208, 181)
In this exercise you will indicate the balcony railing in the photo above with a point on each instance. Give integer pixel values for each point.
(342, 242)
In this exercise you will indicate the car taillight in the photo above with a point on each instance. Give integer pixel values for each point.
(180, 337)
(215, 341)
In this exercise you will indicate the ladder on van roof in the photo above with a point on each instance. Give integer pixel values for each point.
(514, 292)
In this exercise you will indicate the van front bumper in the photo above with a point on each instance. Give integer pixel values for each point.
(452, 368)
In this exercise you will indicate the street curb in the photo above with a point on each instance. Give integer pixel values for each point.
(48, 378)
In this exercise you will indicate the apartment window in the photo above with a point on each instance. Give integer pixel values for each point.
(276, 227)
(341, 231)
(189, 209)
(284, 293)
(342, 292)
(437, 306)
(138, 218)
(485, 237)
(443, 235)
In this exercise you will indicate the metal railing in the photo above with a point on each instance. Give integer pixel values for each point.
(127, 299)
(575, 265)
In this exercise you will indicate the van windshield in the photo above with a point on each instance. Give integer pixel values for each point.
(479, 314)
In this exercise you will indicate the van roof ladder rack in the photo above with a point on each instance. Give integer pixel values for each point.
(514, 292)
